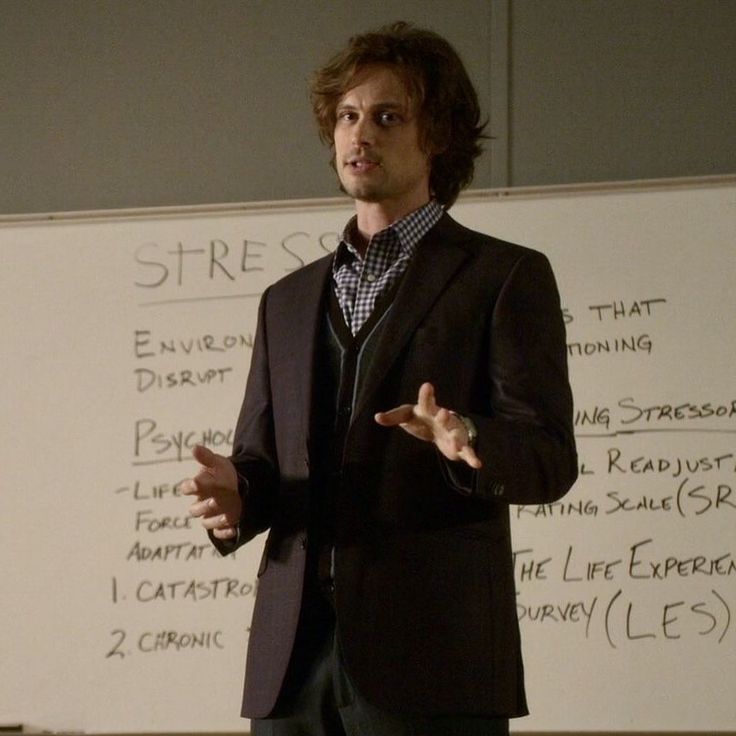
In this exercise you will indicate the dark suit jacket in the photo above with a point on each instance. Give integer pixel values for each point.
(425, 598)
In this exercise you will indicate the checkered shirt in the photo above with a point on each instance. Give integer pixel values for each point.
(360, 281)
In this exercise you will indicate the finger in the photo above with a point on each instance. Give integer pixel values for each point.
(469, 456)
(426, 403)
(201, 485)
(227, 533)
(203, 508)
(205, 457)
(393, 417)
(188, 487)
(445, 419)
(219, 521)
(418, 429)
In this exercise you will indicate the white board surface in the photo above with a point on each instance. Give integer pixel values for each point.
(127, 339)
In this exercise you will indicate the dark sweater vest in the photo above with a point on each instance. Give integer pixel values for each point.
(341, 364)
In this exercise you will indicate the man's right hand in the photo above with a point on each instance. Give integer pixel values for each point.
(218, 502)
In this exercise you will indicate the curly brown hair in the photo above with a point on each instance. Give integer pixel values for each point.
(436, 82)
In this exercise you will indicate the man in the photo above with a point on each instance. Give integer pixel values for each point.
(386, 600)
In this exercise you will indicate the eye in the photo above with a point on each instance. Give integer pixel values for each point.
(346, 116)
(388, 117)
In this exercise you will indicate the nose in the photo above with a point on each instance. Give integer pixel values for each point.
(363, 132)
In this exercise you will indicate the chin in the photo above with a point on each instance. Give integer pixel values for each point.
(362, 193)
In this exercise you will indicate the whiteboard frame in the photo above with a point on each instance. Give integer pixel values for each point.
(470, 195)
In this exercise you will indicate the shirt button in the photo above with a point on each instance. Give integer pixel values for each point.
(370, 278)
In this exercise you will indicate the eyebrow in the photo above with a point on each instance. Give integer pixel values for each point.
(392, 105)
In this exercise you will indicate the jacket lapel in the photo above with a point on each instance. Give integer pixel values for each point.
(296, 367)
(439, 256)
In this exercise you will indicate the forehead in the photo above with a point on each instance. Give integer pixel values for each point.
(375, 84)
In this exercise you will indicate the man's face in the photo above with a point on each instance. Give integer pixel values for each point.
(377, 153)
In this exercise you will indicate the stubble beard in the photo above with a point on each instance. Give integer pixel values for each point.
(363, 191)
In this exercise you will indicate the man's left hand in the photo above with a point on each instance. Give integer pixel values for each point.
(432, 423)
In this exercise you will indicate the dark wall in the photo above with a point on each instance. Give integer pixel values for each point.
(108, 104)
(608, 90)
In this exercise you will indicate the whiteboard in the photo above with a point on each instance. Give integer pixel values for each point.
(127, 339)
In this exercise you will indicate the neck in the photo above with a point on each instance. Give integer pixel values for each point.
(376, 216)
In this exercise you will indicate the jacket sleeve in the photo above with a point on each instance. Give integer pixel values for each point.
(254, 448)
(526, 442)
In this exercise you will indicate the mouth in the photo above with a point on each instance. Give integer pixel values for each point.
(361, 164)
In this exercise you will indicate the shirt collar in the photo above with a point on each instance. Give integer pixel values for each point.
(408, 231)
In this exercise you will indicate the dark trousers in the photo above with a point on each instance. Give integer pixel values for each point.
(327, 704)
